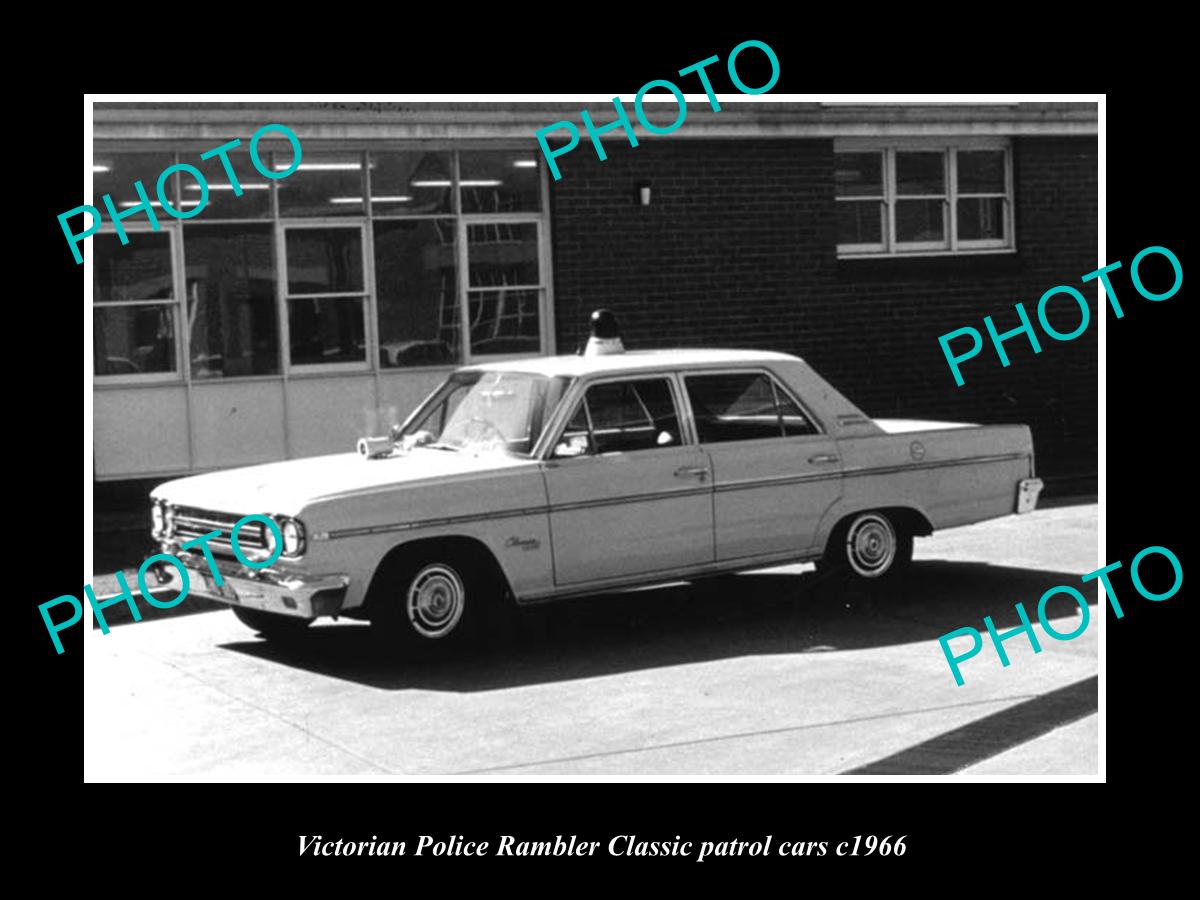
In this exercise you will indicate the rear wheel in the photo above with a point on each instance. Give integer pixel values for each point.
(434, 602)
(870, 548)
(271, 625)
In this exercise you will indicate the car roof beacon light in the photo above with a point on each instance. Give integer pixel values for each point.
(606, 335)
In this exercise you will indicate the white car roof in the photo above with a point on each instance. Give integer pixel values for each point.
(630, 361)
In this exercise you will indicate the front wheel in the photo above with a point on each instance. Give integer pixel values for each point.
(869, 548)
(271, 625)
(433, 603)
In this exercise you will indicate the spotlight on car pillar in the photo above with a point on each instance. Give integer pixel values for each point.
(606, 335)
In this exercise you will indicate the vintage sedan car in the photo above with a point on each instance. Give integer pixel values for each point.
(551, 477)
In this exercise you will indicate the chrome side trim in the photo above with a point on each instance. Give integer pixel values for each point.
(935, 464)
(665, 495)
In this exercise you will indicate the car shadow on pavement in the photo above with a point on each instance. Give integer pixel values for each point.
(741, 615)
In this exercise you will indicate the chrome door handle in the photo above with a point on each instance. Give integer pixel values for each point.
(688, 471)
(823, 458)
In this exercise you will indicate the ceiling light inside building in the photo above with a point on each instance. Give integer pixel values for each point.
(321, 167)
(396, 199)
(442, 182)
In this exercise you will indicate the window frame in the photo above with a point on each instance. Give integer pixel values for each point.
(949, 147)
(465, 223)
(177, 374)
(186, 150)
(778, 387)
(283, 292)
(687, 437)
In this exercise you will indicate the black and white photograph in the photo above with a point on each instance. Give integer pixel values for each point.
(719, 434)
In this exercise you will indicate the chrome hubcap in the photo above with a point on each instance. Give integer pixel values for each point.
(435, 601)
(871, 545)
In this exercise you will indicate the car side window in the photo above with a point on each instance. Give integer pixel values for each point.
(744, 406)
(622, 416)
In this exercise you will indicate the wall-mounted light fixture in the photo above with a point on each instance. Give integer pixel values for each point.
(644, 193)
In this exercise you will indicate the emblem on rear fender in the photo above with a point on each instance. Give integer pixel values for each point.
(916, 450)
(523, 543)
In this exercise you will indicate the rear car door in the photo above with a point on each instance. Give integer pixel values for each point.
(775, 472)
(629, 492)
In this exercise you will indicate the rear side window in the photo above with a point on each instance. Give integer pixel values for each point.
(622, 416)
(744, 406)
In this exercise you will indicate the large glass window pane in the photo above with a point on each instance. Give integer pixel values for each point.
(133, 339)
(415, 269)
(326, 184)
(920, 220)
(632, 415)
(920, 173)
(324, 260)
(230, 278)
(980, 218)
(859, 174)
(500, 181)
(860, 221)
(115, 173)
(504, 321)
(503, 253)
(981, 171)
(326, 330)
(735, 407)
(139, 270)
(255, 201)
(410, 183)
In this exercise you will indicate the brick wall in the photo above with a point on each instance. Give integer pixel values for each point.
(737, 249)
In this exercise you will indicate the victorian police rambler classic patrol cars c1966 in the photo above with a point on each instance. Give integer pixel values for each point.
(551, 477)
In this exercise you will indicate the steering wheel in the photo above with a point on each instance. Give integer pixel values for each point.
(491, 434)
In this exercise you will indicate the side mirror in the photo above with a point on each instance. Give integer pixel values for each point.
(576, 445)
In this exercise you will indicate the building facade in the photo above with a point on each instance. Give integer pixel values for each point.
(319, 307)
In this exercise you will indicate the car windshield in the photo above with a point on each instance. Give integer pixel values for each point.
(485, 412)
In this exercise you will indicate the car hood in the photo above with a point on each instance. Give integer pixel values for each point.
(285, 488)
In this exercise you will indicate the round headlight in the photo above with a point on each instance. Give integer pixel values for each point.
(293, 537)
(156, 517)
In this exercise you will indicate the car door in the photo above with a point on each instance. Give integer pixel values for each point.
(629, 491)
(774, 472)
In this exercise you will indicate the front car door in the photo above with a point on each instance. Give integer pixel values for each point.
(774, 472)
(630, 493)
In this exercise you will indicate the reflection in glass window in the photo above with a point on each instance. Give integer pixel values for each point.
(981, 172)
(230, 284)
(920, 173)
(860, 193)
(632, 415)
(503, 253)
(324, 260)
(504, 321)
(415, 277)
(133, 338)
(255, 200)
(115, 173)
(131, 335)
(413, 183)
(325, 184)
(500, 181)
(743, 406)
(139, 270)
(326, 330)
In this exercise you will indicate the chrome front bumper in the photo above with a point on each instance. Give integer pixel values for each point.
(305, 597)
(1028, 490)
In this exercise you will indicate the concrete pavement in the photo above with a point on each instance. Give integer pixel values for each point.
(762, 674)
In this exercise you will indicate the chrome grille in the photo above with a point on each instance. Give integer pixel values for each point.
(192, 523)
